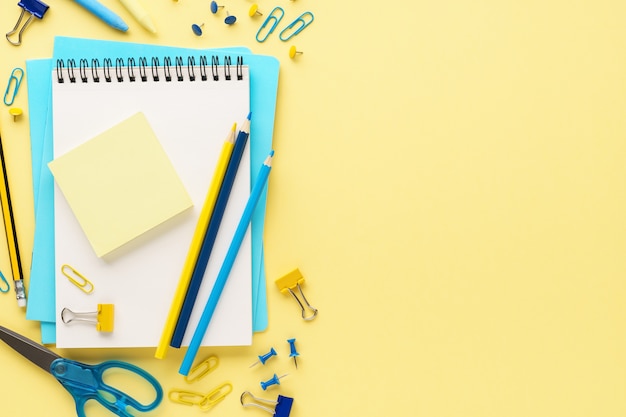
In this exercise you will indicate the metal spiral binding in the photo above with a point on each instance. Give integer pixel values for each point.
(140, 70)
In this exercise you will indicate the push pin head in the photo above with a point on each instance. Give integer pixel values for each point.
(215, 7)
(294, 353)
(254, 11)
(264, 358)
(275, 380)
(15, 112)
(197, 29)
(230, 19)
(293, 52)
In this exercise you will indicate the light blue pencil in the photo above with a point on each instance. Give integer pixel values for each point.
(227, 266)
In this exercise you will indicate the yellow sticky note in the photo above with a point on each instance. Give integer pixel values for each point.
(120, 184)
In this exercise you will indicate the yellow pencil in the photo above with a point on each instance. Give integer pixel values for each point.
(11, 234)
(196, 244)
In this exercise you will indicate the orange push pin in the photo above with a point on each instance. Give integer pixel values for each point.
(15, 112)
(254, 11)
(293, 52)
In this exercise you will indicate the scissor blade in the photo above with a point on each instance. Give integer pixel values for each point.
(36, 353)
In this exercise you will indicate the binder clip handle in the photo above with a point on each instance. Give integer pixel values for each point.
(36, 9)
(292, 281)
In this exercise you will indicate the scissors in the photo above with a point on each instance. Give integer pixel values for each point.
(84, 381)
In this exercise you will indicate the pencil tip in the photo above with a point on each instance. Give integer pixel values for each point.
(234, 126)
(271, 153)
(249, 115)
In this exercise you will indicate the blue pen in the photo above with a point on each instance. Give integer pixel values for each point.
(227, 266)
(104, 14)
(211, 234)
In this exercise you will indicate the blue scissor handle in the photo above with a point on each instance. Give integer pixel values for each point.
(85, 383)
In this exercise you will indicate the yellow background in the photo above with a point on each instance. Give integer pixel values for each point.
(449, 177)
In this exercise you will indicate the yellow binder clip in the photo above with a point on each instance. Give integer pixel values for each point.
(103, 318)
(288, 283)
(77, 279)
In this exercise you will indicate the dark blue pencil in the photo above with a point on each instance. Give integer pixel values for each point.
(211, 234)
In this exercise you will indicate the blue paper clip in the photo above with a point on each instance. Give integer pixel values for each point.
(15, 79)
(275, 15)
(5, 284)
(36, 9)
(302, 21)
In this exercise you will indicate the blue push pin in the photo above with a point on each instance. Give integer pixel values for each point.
(230, 20)
(215, 7)
(264, 358)
(197, 29)
(275, 380)
(294, 353)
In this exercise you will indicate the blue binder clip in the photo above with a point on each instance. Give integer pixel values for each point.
(297, 26)
(274, 17)
(36, 9)
(282, 406)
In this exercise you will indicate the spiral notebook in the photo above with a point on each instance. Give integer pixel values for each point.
(190, 102)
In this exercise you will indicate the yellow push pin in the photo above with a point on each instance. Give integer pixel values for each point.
(15, 112)
(293, 52)
(254, 11)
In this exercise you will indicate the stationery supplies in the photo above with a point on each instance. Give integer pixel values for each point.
(274, 380)
(293, 52)
(15, 80)
(140, 14)
(202, 369)
(15, 112)
(103, 13)
(36, 9)
(293, 353)
(77, 279)
(212, 230)
(272, 20)
(264, 358)
(204, 401)
(121, 177)
(254, 10)
(215, 7)
(297, 26)
(197, 29)
(225, 270)
(87, 382)
(263, 88)
(140, 276)
(282, 405)
(4, 284)
(291, 281)
(103, 318)
(11, 233)
(196, 243)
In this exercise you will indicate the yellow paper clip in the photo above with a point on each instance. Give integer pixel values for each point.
(15, 80)
(202, 369)
(103, 318)
(204, 401)
(77, 279)
(291, 281)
